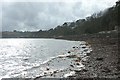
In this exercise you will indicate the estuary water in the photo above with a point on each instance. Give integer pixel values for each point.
(30, 58)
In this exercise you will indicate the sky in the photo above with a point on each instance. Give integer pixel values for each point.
(37, 15)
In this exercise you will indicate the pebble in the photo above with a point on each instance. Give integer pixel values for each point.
(73, 47)
(71, 65)
(69, 52)
(99, 59)
(55, 72)
(106, 70)
(83, 47)
(77, 64)
(47, 69)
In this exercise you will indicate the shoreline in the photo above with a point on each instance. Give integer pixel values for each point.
(103, 61)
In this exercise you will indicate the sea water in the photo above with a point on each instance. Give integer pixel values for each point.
(30, 58)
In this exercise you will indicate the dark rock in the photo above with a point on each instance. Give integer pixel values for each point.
(118, 67)
(71, 65)
(69, 52)
(83, 47)
(85, 50)
(84, 70)
(55, 72)
(45, 73)
(89, 66)
(99, 59)
(77, 60)
(73, 47)
(71, 56)
(77, 64)
(51, 74)
(112, 42)
(71, 76)
(106, 70)
(88, 54)
(25, 59)
(47, 69)
(117, 73)
(70, 69)
(87, 62)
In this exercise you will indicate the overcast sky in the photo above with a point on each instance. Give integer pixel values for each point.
(45, 15)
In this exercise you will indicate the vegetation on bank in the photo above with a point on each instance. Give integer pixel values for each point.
(107, 20)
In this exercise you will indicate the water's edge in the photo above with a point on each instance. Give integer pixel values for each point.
(66, 62)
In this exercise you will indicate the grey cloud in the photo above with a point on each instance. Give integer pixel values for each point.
(19, 13)
(43, 15)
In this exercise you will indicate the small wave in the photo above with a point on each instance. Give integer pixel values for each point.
(62, 65)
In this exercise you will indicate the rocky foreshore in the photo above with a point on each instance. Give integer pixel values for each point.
(104, 59)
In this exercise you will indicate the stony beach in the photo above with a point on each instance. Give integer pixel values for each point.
(104, 60)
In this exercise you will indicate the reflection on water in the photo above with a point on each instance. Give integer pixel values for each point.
(31, 57)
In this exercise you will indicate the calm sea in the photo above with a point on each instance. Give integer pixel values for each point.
(40, 57)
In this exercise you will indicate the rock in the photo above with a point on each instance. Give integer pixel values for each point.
(85, 50)
(71, 76)
(71, 56)
(77, 64)
(78, 71)
(45, 73)
(87, 62)
(55, 72)
(106, 70)
(71, 65)
(83, 47)
(69, 52)
(73, 47)
(70, 69)
(47, 69)
(78, 58)
(60, 56)
(88, 54)
(25, 59)
(84, 70)
(89, 66)
(51, 74)
(99, 59)
(118, 67)
(117, 73)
